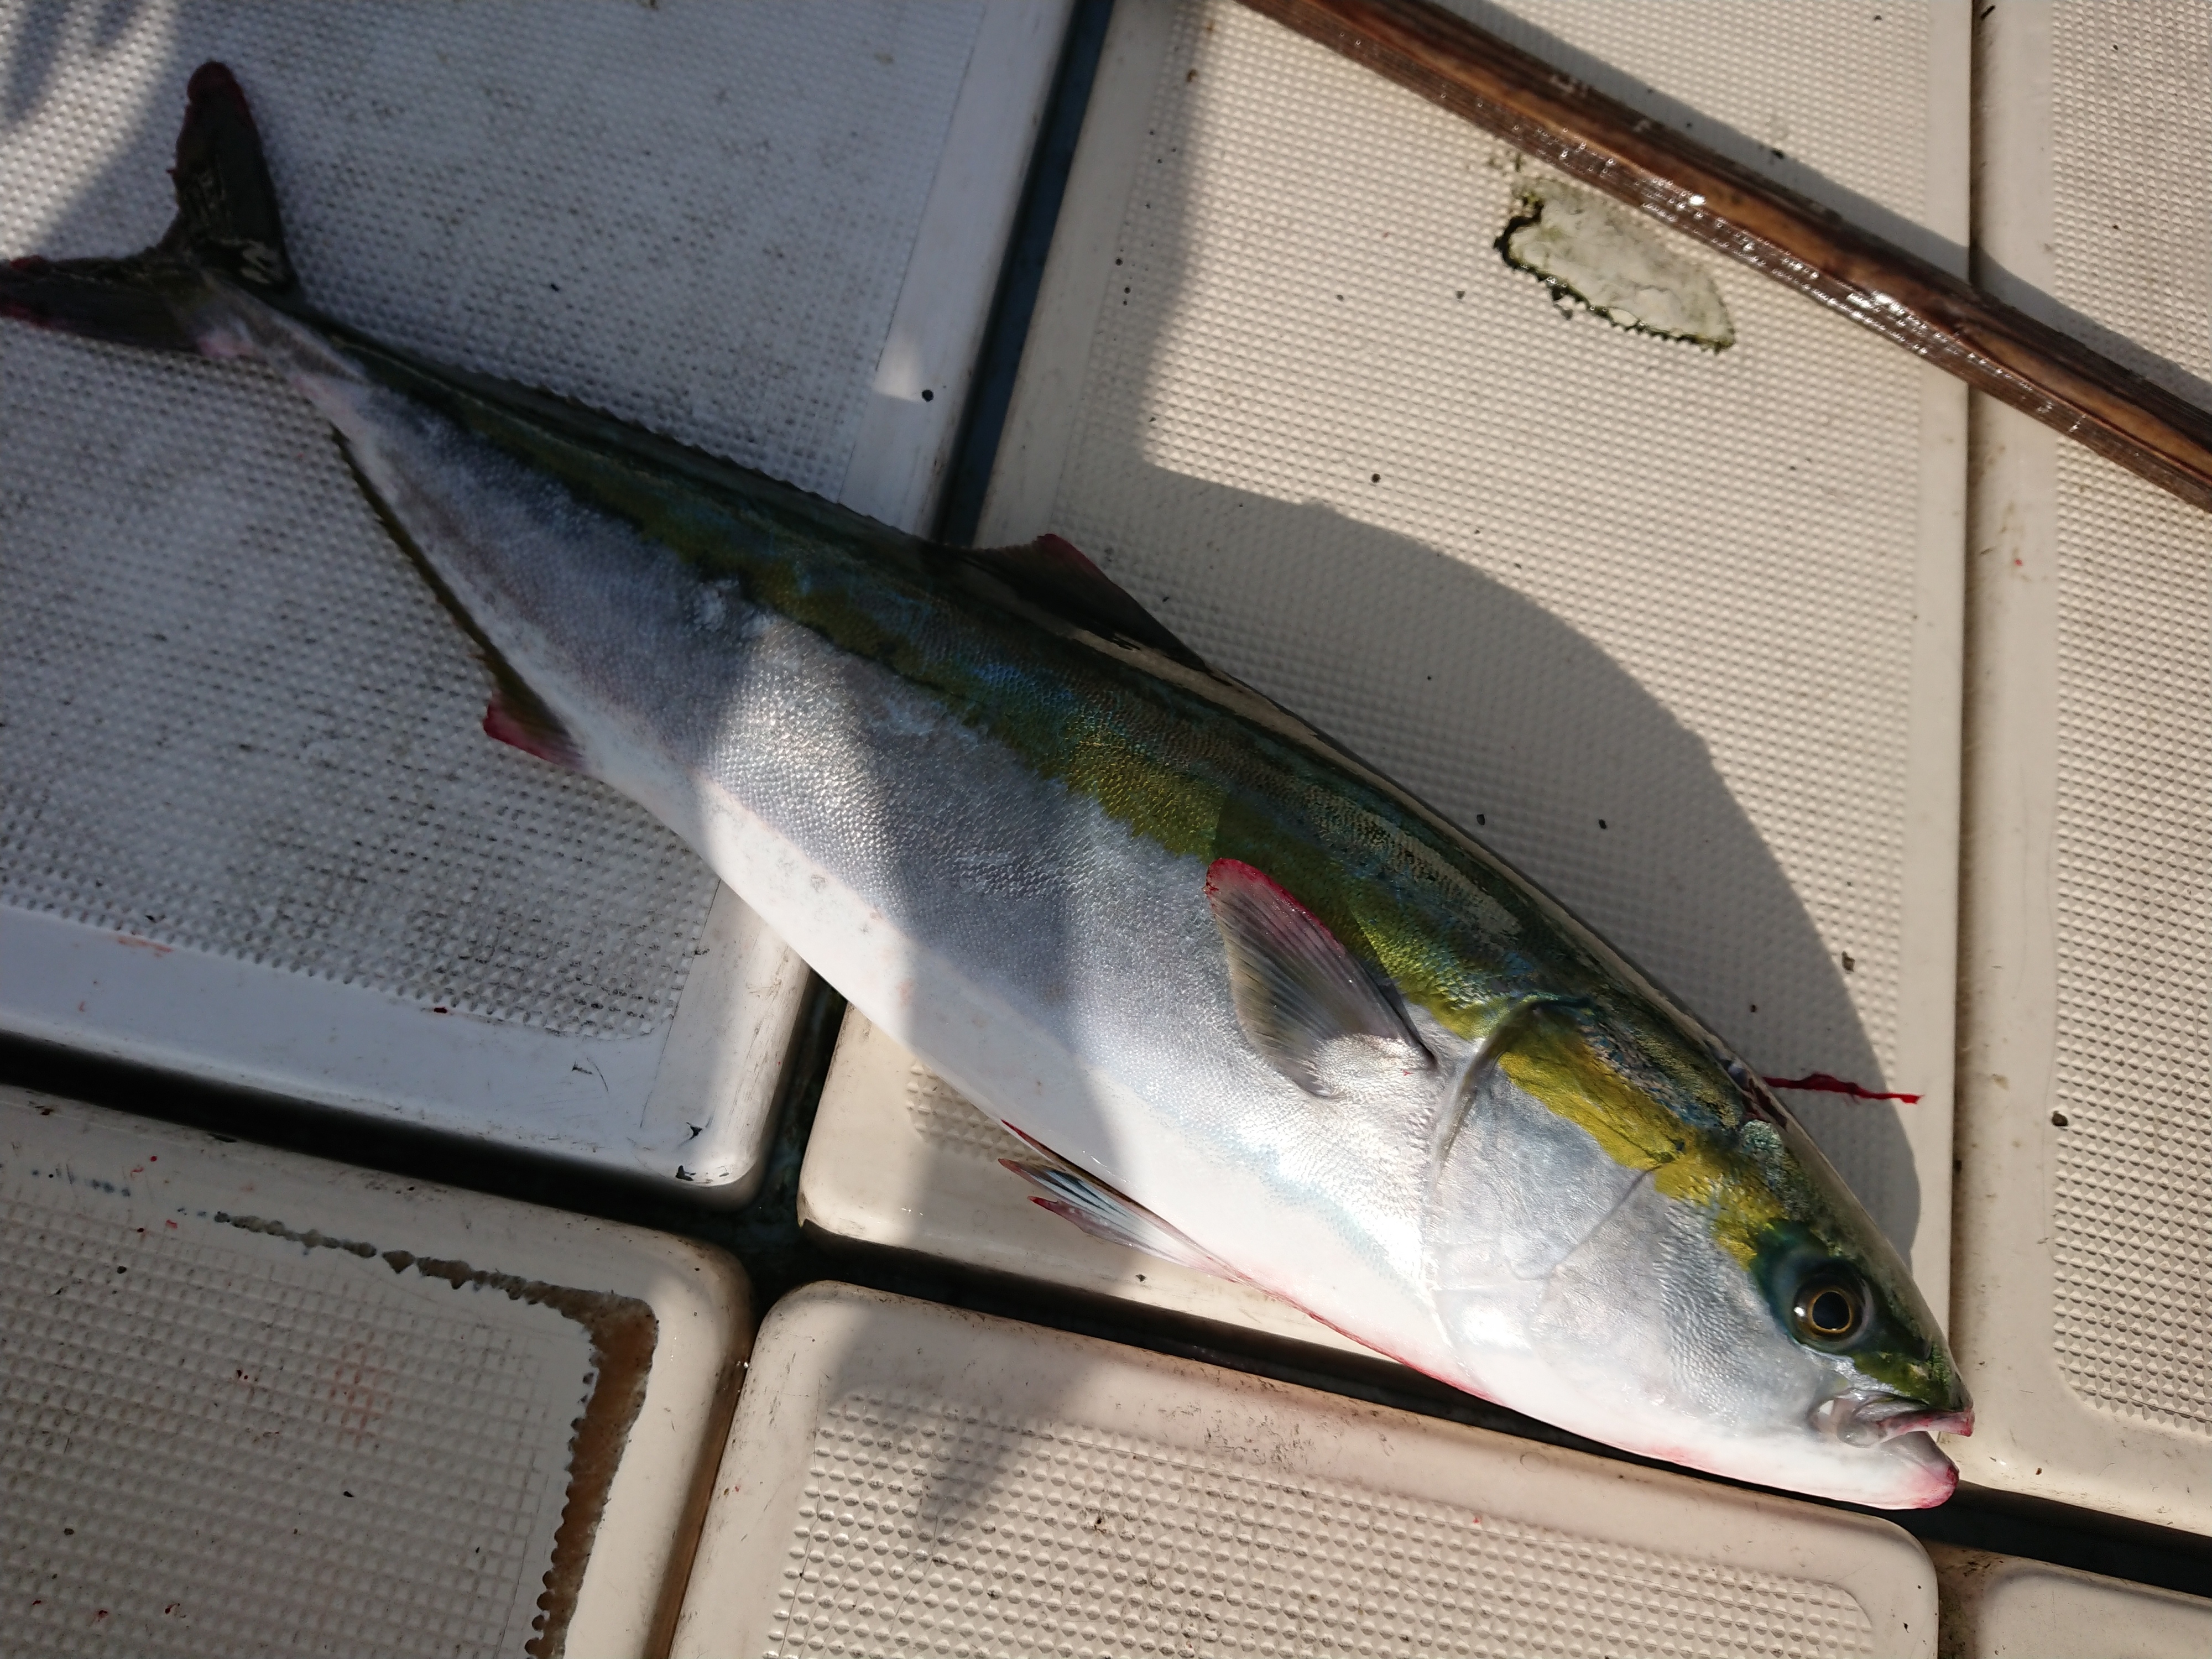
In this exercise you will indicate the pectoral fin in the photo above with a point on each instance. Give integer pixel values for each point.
(1307, 1004)
(1103, 1214)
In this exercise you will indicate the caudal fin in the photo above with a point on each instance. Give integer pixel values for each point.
(226, 226)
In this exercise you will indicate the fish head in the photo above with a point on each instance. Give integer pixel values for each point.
(1632, 1239)
(1862, 1337)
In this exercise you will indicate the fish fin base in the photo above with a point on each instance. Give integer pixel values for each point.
(1312, 1009)
(1453, 1111)
(1105, 1214)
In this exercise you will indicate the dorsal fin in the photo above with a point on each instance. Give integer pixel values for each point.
(1054, 575)
(1305, 1003)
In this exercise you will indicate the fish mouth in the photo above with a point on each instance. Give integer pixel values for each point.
(1858, 1420)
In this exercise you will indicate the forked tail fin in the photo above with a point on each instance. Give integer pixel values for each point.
(226, 226)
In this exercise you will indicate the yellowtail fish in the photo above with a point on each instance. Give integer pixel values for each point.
(1257, 1008)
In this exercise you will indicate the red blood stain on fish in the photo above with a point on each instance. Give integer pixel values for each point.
(1821, 1083)
(138, 944)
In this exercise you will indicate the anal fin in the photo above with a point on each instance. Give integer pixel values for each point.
(1113, 1217)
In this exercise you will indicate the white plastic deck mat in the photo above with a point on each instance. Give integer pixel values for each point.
(252, 1403)
(2086, 1191)
(903, 1478)
(249, 827)
(899, 1159)
(2086, 1076)
(2001, 1607)
(1677, 631)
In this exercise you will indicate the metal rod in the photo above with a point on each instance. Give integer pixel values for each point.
(1947, 321)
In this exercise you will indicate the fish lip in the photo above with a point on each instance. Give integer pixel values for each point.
(1929, 1421)
(1875, 1420)
(1938, 1475)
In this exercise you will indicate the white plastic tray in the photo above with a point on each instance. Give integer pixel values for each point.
(2085, 1213)
(2000, 1606)
(902, 1477)
(1678, 633)
(249, 828)
(252, 1402)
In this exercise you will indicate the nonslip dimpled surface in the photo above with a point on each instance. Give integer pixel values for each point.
(237, 1446)
(946, 1118)
(937, 1527)
(2085, 1219)
(903, 1478)
(239, 721)
(235, 720)
(2131, 1199)
(2004, 1606)
(256, 1404)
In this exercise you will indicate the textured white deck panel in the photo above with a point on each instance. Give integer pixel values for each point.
(898, 1159)
(2085, 1212)
(241, 730)
(253, 1403)
(905, 1479)
(1676, 632)
(2000, 1606)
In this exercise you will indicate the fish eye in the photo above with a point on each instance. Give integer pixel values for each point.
(1829, 1309)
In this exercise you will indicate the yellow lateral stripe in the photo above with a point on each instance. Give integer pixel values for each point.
(1551, 1062)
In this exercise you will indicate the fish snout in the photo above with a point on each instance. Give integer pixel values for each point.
(1864, 1420)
